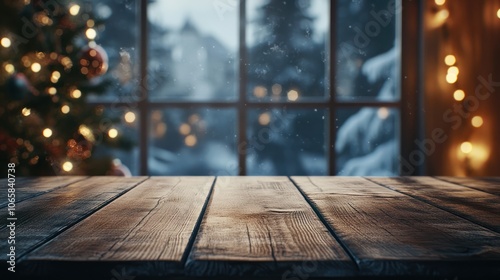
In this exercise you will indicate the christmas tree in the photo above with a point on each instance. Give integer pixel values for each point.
(49, 64)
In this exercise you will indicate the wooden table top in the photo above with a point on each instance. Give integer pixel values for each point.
(261, 227)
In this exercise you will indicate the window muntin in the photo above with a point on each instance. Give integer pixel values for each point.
(365, 79)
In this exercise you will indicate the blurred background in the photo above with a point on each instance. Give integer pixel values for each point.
(255, 87)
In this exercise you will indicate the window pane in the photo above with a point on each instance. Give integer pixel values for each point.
(124, 158)
(287, 49)
(193, 50)
(367, 142)
(286, 142)
(367, 50)
(118, 37)
(193, 142)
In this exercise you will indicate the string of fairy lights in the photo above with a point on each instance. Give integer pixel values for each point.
(467, 149)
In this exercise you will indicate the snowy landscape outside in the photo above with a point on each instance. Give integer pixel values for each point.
(193, 57)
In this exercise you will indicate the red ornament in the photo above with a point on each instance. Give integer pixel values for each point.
(93, 62)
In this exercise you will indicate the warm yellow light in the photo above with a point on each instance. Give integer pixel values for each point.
(190, 140)
(459, 95)
(450, 60)
(26, 112)
(453, 70)
(74, 9)
(56, 74)
(45, 20)
(5, 42)
(276, 89)
(440, 2)
(478, 156)
(76, 93)
(184, 129)
(466, 147)
(498, 13)
(129, 117)
(90, 23)
(86, 132)
(264, 119)
(67, 166)
(194, 119)
(451, 79)
(91, 33)
(66, 62)
(157, 115)
(47, 132)
(52, 90)
(293, 95)
(477, 121)
(10, 68)
(443, 14)
(36, 67)
(260, 91)
(383, 113)
(113, 133)
(26, 61)
(160, 129)
(65, 109)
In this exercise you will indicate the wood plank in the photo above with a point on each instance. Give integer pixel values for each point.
(41, 218)
(144, 232)
(390, 233)
(262, 226)
(494, 179)
(476, 206)
(28, 187)
(489, 185)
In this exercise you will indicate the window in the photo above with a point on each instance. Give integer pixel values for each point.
(258, 87)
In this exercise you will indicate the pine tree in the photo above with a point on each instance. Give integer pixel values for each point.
(285, 52)
(49, 65)
(287, 58)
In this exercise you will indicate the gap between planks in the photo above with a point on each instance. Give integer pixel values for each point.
(258, 226)
(325, 223)
(197, 226)
(479, 184)
(22, 256)
(448, 200)
(389, 231)
(130, 232)
(22, 196)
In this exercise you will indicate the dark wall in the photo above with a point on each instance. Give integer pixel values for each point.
(471, 33)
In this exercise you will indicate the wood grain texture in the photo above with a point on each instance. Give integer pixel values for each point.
(477, 206)
(494, 179)
(263, 226)
(41, 218)
(28, 187)
(489, 185)
(149, 228)
(390, 233)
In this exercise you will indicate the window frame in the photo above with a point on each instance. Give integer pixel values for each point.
(409, 31)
